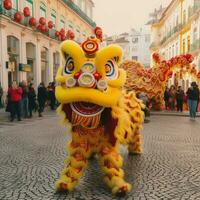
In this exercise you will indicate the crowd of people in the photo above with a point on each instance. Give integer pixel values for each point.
(177, 99)
(22, 99)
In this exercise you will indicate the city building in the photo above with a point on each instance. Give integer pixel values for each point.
(135, 45)
(176, 30)
(139, 42)
(30, 49)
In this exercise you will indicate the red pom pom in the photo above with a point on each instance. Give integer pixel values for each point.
(97, 76)
(77, 75)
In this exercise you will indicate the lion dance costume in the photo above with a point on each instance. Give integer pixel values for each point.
(101, 114)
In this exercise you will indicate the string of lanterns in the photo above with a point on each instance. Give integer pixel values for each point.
(41, 25)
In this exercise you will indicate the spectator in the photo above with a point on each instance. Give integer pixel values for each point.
(42, 97)
(197, 101)
(142, 96)
(31, 99)
(179, 99)
(51, 95)
(25, 99)
(193, 96)
(15, 94)
(172, 98)
(166, 98)
(1, 95)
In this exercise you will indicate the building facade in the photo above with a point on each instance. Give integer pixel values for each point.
(139, 42)
(29, 53)
(135, 45)
(176, 30)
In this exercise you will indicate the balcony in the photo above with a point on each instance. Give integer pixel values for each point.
(195, 45)
(77, 10)
(10, 14)
(192, 10)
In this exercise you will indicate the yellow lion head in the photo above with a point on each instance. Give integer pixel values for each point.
(89, 80)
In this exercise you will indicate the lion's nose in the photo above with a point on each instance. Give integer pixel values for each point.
(86, 80)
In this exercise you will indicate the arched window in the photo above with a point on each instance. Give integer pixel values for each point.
(29, 4)
(42, 10)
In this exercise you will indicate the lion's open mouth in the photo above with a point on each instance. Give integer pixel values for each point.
(86, 109)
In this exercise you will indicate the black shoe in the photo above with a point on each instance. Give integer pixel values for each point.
(40, 115)
(19, 119)
(11, 120)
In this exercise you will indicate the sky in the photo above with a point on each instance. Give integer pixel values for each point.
(118, 16)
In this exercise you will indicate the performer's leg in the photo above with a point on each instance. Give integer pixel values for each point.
(111, 163)
(135, 146)
(74, 166)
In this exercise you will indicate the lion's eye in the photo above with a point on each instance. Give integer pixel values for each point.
(69, 66)
(110, 69)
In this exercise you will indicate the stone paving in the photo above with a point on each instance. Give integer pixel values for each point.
(32, 155)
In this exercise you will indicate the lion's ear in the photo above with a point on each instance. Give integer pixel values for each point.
(106, 54)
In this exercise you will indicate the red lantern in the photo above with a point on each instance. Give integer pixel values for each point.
(62, 32)
(42, 21)
(50, 24)
(39, 27)
(63, 37)
(32, 21)
(156, 57)
(57, 34)
(43, 27)
(72, 35)
(46, 30)
(26, 12)
(18, 17)
(7, 4)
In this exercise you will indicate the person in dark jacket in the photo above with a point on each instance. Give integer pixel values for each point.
(15, 94)
(193, 96)
(31, 99)
(166, 98)
(42, 97)
(179, 99)
(1, 95)
(51, 95)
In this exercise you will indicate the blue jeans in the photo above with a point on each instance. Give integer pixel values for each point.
(192, 107)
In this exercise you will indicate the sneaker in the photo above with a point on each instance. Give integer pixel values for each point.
(19, 119)
(11, 120)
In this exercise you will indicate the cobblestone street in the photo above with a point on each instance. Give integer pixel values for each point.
(32, 155)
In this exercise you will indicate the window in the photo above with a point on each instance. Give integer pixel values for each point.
(184, 17)
(42, 10)
(62, 22)
(134, 58)
(15, 4)
(184, 46)
(170, 55)
(80, 4)
(177, 48)
(53, 17)
(135, 40)
(29, 4)
(188, 43)
(147, 38)
(173, 50)
(195, 34)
